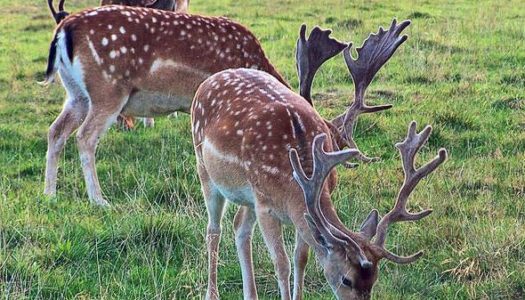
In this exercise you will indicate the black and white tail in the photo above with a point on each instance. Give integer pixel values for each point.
(60, 53)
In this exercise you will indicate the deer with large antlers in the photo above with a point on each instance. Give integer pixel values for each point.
(139, 62)
(253, 136)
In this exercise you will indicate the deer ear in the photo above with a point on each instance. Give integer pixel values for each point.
(369, 226)
(316, 234)
(147, 3)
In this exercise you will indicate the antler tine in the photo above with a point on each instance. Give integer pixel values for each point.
(408, 150)
(372, 55)
(323, 163)
(311, 54)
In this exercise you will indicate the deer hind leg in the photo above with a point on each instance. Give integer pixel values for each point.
(148, 122)
(300, 260)
(215, 203)
(273, 237)
(98, 120)
(244, 223)
(74, 112)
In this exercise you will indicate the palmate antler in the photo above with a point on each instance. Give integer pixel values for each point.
(408, 149)
(323, 163)
(311, 53)
(377, 49)
(375, 52)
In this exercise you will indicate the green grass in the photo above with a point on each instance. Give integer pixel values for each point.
(462, 70)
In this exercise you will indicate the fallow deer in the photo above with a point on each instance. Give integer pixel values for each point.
(141, 62)
(253, 136)
(179, 6)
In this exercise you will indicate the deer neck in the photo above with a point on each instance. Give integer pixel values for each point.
(297, 213)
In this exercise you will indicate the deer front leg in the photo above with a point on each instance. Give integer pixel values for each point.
(97, 122)
(300, 260)
(72, 115)
(273, 237)
(148, 122)
(243, 223)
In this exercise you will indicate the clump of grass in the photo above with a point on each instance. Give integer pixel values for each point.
(350, 23)
(509, 103)
(37, 27)
(419, 15)
(515, 78)
(455, 121)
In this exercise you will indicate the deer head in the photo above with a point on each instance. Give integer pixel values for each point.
(350, 259)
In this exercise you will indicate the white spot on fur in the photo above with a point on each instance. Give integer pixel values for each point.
(168, 63)
(269, 169)
(97, 58)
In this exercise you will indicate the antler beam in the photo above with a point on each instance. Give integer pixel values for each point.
(375, 52)
(408, 149)
(323, 163)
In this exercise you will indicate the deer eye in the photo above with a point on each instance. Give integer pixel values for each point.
(346, 281)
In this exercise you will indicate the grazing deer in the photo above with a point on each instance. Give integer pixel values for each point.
(139, 62)
(179, 6)
(253, 136)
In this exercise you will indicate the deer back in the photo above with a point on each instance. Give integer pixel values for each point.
(157, 50)
(244, 124)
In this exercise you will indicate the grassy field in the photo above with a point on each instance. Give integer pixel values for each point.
(462, 71)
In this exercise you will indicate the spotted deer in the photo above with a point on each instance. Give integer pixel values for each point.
(262, 146)
(139, 62)
(179, 6)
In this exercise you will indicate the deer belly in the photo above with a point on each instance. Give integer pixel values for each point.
(152, 104)
(242, 195)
